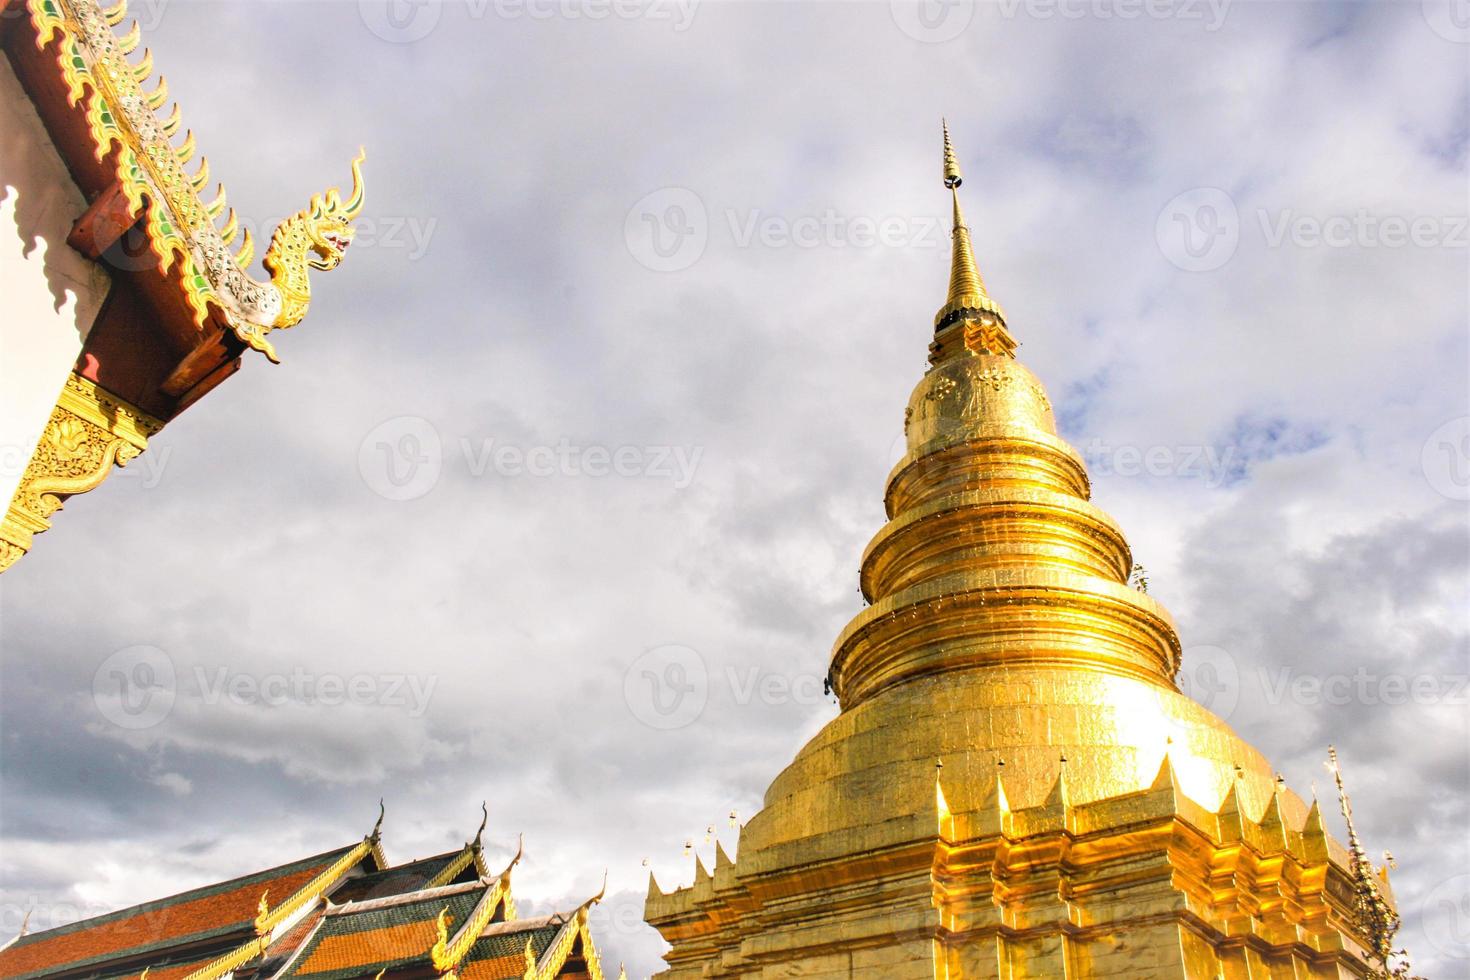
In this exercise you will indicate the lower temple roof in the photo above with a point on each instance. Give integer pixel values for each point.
(340, 915)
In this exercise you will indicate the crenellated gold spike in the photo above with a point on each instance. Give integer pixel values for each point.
(114, 15)
(217, 206)
(201, 178)
(172, 123)
(232, 226)
(185, 151)
(246, 255)
(158, 96)
(144, 68)
(128, 43)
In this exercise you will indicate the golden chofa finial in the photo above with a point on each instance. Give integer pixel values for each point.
(968, 305)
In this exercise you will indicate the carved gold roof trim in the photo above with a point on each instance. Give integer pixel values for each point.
(268, 918)
(555, 957)
(89, 432)
(469, 855)
(447, 952)
(182, 229)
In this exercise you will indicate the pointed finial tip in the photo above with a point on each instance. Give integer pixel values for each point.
(952, 176)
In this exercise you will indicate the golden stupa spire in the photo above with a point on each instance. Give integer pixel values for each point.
(968, 303)
(964, 275)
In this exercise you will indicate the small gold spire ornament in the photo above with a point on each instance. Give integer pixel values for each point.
(952, 176)
(1376, 918)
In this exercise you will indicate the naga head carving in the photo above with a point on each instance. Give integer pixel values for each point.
(316, 237)
(329, 221)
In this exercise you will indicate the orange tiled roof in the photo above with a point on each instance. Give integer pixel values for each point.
(500, 952)
(210, 913)
(360, 939)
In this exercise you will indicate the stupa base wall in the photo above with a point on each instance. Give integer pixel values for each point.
(1165, 890)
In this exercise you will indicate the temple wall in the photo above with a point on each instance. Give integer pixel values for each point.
(50, 294)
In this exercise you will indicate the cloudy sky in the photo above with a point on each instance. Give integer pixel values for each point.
(614, 375)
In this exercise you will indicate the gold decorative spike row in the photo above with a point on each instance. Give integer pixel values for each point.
(462, 860)
(90, 431)
(182, 230)
(555, 957)
(217, 968)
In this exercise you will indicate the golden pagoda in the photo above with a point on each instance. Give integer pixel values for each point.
(1015, 786)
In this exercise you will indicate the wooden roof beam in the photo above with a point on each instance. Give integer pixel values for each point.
(106, 220)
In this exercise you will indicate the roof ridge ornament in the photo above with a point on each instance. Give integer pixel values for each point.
(484, 821)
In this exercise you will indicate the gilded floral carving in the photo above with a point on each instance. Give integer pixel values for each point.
(90, 431)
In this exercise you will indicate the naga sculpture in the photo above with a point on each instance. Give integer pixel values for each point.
(190, 239)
